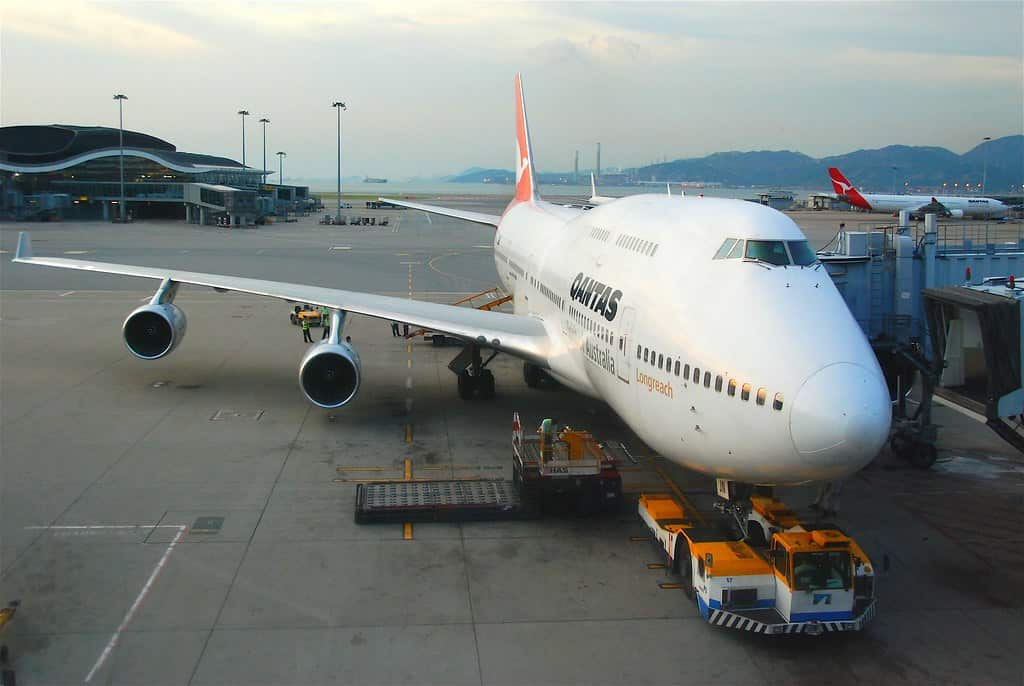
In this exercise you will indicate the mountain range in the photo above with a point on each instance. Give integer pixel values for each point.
(895, 167)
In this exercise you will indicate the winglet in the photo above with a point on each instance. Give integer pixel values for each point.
(24, 251)
(526, 179)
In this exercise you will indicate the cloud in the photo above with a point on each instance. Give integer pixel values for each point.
(890, 65)
(93, 25)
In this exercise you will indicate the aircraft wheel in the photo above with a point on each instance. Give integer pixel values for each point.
(755, 535)
(532, 374)
(467, 384)
(684, 566)
(486, 384)
(922, 455)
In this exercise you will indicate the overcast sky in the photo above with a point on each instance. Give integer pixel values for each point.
(429, 85)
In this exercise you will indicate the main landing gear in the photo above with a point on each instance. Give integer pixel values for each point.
(474, 379)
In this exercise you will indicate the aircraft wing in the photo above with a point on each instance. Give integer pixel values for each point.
(478, 217)
(524, 337)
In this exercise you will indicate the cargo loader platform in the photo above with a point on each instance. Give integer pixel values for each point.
(396, 502)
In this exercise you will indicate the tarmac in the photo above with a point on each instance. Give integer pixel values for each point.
(190, 520)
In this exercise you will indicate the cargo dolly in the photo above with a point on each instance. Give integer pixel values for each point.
(571, 472)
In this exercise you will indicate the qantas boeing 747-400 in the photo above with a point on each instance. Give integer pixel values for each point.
(707, 324)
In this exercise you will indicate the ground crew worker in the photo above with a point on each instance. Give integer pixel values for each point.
(405, 329)
(547, 438)
(394, 328)
(828, 498)
(325, 318)
(305, 331)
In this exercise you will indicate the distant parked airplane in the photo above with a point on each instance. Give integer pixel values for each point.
(945, 205)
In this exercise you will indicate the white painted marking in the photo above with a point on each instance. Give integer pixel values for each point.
(341, 247)
(77, 252)
(484, 246)
(107, 526)
(112, 643)
(64, 294)
(410, 263)
(4, 252)
(185, 252)
(408, 364)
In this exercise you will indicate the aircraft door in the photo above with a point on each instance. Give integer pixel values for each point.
(623, 345)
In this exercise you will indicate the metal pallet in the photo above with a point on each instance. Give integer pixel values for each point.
(439, 501)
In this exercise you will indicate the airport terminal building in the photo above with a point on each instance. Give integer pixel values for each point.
(55, 171)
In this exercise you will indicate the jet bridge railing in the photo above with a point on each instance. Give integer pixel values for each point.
(965, 237)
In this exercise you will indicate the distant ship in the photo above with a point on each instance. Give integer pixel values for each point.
(371, 179)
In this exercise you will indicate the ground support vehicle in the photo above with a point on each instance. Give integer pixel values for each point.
(577, 474)
(796, 581)
(305, 313)
(7, 677)
(495, 299)
(573, 471)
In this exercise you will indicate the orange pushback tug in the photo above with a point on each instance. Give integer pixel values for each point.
(791, 580)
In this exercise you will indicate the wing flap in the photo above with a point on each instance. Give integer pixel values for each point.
(478, 217)
(524, 337)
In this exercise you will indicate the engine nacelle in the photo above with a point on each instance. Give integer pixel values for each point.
(330, 374)
(956, 214)
(154, 330)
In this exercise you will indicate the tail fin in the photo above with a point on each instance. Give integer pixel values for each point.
(526, 180)
(844, 188)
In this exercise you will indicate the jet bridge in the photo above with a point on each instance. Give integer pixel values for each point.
(976, 338)
(883, 272)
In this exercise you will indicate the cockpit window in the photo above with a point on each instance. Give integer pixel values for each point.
(802, 253)
(772, 252)
(726, 247)
(737, 250)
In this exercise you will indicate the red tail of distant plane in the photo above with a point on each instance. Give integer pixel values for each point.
(844, 188)
(526, 180)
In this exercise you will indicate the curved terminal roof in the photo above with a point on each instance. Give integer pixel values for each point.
(41, 149)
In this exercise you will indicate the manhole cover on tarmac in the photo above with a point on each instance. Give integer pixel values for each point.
(227, 415)
(207, 525)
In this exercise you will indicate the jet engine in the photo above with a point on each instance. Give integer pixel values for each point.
(154, 330)
(956, 214)
(330, 374)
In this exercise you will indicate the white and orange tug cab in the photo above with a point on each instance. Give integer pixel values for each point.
(799, 582)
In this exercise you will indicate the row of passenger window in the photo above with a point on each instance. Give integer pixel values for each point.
(546, 292)
(637, 244)
(600, 234)
(660, 361)
(602, 333)
(780, 253)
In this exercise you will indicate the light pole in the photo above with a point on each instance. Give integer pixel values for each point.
(263, 121)
(244, 113)
(984, 166)
(339, 106)
(280, 167)
(123, 215)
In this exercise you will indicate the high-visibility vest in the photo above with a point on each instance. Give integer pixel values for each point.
(327, 320)
(305, 324)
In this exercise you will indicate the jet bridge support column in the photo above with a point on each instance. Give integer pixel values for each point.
(929, 247)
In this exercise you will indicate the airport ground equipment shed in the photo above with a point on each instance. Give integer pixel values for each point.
(784, 579)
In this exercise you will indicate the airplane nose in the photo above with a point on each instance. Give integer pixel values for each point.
(840, 418)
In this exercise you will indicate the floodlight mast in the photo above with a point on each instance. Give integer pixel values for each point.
(338, 105)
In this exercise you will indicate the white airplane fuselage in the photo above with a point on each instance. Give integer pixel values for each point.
(789, 389)
(968, 207)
